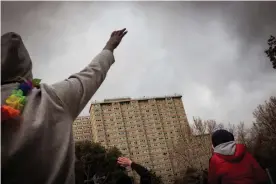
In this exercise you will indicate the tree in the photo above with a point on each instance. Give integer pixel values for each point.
(194, 151)
(155, 179)
(199, 127)
(220, 126)
(242, 133)
(95, 164)
(266, 118)
(193, 176)
(271, 51)
(212, 126)
(232, 128)
(264, 133)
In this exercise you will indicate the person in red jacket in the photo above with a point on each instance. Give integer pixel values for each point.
(231, 163)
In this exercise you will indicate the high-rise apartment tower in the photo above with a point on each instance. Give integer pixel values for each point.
(82, 128)
(147, 130)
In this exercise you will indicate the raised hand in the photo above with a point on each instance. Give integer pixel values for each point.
(115, 39)
(124, 162)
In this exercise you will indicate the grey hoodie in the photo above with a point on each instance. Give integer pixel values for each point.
(227, 148)
(39, 148)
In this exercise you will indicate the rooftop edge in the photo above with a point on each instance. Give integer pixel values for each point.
(126, 99)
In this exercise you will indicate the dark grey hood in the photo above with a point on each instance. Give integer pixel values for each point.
(15, 60)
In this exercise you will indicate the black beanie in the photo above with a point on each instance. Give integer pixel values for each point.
(221, 136)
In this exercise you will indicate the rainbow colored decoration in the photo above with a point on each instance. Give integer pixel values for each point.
(16, 101)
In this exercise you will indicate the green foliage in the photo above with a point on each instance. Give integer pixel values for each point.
(271, 51)
(93, 160)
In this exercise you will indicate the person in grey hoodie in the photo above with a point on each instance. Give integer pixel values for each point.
(38, 147)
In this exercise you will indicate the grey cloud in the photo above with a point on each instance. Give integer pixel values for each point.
(210, 52)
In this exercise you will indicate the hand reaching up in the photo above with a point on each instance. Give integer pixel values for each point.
(115, 39)
(124, 162)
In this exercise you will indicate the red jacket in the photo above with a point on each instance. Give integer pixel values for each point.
(238, 168)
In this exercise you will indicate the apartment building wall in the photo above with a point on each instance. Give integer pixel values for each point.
(146, 130)
(82, 129)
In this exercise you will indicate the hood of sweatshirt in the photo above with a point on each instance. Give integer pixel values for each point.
(230, 151)
(16, 63)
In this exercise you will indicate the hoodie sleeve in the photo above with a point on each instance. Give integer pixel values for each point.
(213, 177)
(78, 89)
(259, 173)
(143, 172)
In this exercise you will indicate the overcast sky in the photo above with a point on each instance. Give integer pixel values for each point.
(211, 53)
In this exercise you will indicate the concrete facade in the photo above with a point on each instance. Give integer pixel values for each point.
(146, 130)
(150, 131)
(82, 129)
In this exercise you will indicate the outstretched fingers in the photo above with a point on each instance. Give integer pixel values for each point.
(121, 33)
(124, 33)
(115, 39)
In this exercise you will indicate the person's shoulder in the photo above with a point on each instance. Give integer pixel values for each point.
(215, 159)
(48, 91)
(46, 96)
(241, 145)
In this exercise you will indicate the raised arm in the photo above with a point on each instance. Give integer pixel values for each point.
(142, 171)
(78, 89)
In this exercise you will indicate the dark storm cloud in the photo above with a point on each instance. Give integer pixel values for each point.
(210, 52)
